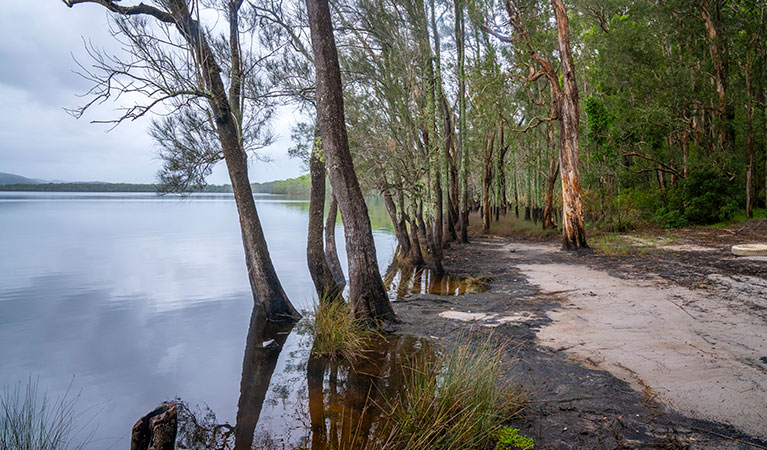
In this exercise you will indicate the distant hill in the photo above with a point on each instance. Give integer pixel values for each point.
(10, 178)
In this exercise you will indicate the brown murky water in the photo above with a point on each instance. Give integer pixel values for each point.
(403, 281)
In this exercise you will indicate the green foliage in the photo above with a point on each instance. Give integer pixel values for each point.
(509, 438)
(705, 197)
(599, 122)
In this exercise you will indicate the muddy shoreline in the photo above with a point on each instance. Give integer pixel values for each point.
(573, 401)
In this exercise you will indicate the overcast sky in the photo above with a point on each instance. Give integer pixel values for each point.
(38, 139)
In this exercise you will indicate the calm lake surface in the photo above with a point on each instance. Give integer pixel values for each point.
(132, 299)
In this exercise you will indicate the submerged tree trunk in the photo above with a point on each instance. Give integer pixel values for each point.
(367, 294)
(324, 282)
(573, 227)
(331, 252)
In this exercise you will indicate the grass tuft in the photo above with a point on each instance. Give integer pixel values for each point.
(454, 401)
(336, 333)
(29, 421)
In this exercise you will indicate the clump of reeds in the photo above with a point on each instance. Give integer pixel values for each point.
(30, 421)
(457, 400)
(336, 333)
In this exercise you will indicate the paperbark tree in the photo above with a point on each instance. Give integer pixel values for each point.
(573, 226)
(367, 294)
(567, 113)
(177, 64)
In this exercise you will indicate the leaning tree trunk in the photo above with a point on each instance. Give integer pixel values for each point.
(266, 287)
(331, 252)
(573, 227)
(324, 282)
(264, 282)
(367, 294)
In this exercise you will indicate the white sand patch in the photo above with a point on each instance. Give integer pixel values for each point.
(466, 316)
(699, 353)
(488, 320)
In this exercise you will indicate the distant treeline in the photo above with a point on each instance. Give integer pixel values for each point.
(292, 186)
(99, 187)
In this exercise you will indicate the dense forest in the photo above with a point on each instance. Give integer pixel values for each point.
(445, 97)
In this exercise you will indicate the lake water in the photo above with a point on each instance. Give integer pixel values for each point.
(132, 299)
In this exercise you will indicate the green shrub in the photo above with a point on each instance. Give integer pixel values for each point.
(509, 438)
(705, 197)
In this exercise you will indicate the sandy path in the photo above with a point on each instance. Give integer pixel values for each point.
(704, 354)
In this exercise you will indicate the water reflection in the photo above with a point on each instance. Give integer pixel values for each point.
(262, 349)
(402, 280)
(346, 400)
(341, 403)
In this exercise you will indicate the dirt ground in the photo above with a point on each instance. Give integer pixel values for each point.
(664, 348)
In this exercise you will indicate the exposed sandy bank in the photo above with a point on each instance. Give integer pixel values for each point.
(702, 353)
